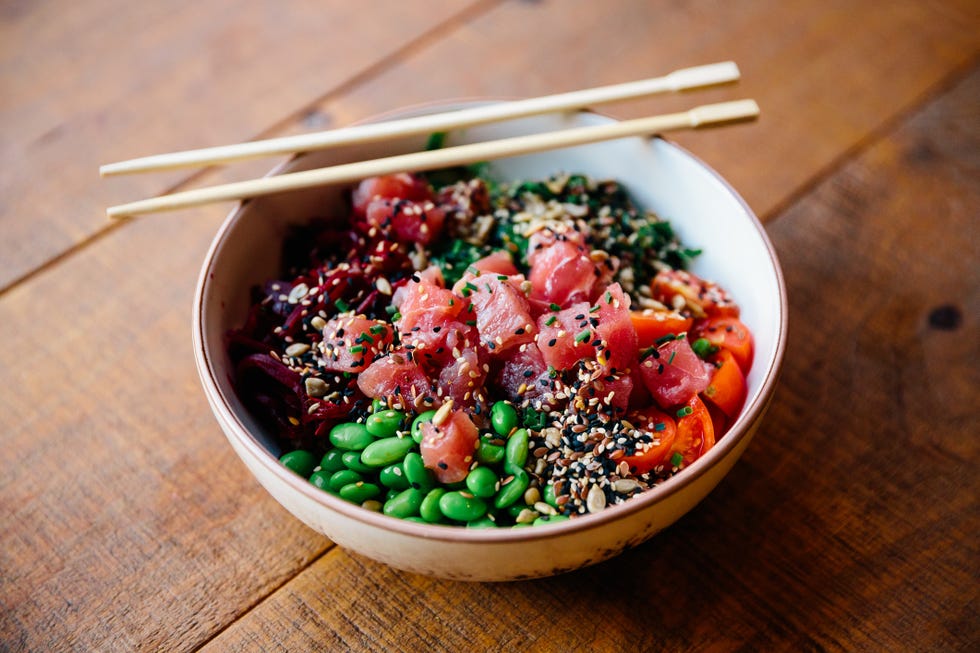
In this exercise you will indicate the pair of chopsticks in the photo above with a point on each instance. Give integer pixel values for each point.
(679, 80)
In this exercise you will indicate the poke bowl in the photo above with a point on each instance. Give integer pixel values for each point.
(546, 356)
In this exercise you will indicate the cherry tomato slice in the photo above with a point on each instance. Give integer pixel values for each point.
(663, 428)
(728, 333)
(727, 388)
(695, 433)
(652, 325)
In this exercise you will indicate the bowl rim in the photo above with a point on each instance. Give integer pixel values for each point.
(449, 533)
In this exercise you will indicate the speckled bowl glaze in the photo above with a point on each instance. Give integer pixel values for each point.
(705, 211)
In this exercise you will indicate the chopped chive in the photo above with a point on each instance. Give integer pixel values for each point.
(390, 310)
(608, 297)
(703, 347)
(452, 302)
(472, 270)
(469, 286)
(685, 411)
(435, 140)
(364, 338)
(357, 349)
(551, 320)
(659, 426)
(594, 309)
(670, 360)
(667, 338)
(676, 459)
(582, 336)
(552, 372)
(502, 277)
(378, 329)
(470, 322)
(554, 307)
(647, 352)
(341, 306)
(397, 316)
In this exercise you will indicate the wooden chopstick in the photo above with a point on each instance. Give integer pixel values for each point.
(710, 114)
(679, 80)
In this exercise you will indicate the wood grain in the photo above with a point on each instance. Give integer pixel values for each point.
(87, 83)
(849, 524)
(127, 523)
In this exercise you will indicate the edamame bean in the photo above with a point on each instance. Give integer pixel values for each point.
(549, 495)
(419, 476)
(405, 504)
(482, 482)
(332, 461)
(352, 460)
(483, 522)
(321, 479)
(385, 423)
(513, 490)
(393, 476)
(344, 477)
(386, 451)
(549, 519)
(359, 492)
(462, 506)
(417, 520)
(516, 454)
(417, 424)
(429, 509)
(350, 436)
(488, 453)
(300, 462)
(503, 418)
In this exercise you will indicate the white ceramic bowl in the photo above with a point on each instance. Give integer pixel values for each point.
(705, 211)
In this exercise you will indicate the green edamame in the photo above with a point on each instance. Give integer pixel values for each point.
(393, 476)
(489, 453)
(461, 506)
(482, 522)
(417, 424)
(549, 519)
(503, 418)
(429, 508)
(516, 451)
(385, 423)
(549, 495)
(513, 490)
(321, 479)
(386, 451)
(405, 504)
(352, 460)
(419, 476)
(300, 461)
(342, 478)
(350, 436)
(332, 461)
(359, 492)
(482, 482)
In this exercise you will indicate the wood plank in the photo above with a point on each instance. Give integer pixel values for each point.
(849, 524)
(87, 83)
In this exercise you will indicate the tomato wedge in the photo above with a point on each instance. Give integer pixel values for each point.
(695, 433)
(653, 325)
(728, 333)
(727, 388)
(663, 428)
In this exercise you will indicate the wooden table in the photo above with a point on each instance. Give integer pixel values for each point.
(852, 521)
